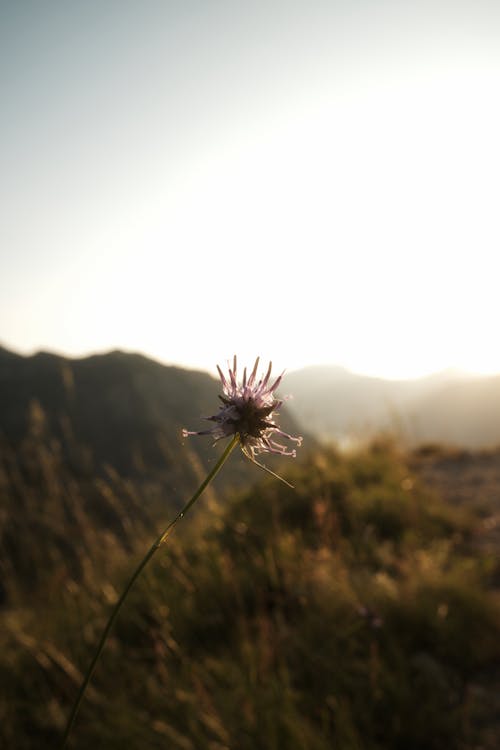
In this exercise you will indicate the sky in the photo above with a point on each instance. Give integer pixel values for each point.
(314, 182)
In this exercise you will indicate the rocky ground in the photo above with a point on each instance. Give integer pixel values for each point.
(466, 478)
(472, 478)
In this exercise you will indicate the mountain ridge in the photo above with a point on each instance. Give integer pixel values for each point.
(448, 406)
(152, 401)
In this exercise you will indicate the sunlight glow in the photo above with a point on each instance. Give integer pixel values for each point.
(344, 210)
(322, 240)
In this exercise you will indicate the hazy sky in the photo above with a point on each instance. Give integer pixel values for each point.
(311, 181)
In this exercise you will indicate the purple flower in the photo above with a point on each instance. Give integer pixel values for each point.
(248, 410)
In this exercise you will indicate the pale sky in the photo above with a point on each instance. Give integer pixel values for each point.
(315, 182)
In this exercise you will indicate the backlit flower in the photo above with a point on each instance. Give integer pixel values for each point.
(248, 410)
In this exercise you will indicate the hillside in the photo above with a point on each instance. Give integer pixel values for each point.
(462, 413)
(359, 610)
(127, 411)
(308, 618)
(117, 409)
(447, 407)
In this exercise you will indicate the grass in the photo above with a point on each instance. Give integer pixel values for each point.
(356, 611)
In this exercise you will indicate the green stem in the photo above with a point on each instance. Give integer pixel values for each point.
(158, 542)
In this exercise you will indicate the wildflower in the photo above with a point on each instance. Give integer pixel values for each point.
(247, 414)
(248, 411)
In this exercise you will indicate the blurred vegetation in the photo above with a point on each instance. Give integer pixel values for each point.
(358, 610)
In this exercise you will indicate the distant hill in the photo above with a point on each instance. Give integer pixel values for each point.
(448, 406)
(464, 413)
(125, 410)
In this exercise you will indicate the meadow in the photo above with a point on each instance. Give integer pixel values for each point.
(358, 610)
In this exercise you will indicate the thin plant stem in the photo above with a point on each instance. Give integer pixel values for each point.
(154, 547)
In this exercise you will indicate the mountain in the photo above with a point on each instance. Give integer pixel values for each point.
(117, 409)
(447, 406)
(126, 411)
(463, 412)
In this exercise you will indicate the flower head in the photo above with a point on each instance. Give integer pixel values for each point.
(248, 410)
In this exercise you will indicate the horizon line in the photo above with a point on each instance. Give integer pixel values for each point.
(450, 370)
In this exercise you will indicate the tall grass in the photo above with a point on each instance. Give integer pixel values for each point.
(356, 611)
